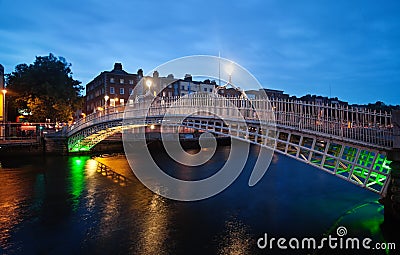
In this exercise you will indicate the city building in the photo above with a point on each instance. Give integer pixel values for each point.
(321, 100)
(270, 93)
(110, 88)
(187, 86)
(229, 92)
(172, 87)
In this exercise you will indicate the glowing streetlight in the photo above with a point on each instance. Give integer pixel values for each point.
(149, 83)
(229, 70)
(106, 97)
(4, 113)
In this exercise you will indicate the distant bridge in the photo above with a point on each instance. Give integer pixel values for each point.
(348, 142)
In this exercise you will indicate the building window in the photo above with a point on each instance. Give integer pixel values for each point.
(121, 91)
(205, 89)
(183, 87)
(121, 81)
(112, 90)
(122, 101)
(112, 102)
(131, 82)
(112, 80)
(130, 91)
(182, 94)
(210, 90)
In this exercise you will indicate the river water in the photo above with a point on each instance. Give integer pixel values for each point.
(61, 205)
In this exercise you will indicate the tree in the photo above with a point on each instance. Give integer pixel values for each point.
(45, 89)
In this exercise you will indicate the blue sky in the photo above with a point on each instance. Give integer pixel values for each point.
(348, 49)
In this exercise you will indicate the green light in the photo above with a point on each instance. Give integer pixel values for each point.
(77, 178)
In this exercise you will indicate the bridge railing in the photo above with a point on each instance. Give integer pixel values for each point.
(357, 124)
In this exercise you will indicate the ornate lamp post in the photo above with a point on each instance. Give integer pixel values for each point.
(4, 113)
(106, 97)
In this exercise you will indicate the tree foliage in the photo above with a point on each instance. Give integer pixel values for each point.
(45, 89)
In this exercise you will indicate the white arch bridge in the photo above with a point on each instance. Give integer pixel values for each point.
(351, 143)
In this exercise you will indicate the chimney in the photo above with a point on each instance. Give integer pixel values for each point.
(140, 73)
(118, 66)
(156, 74)
(188, 77)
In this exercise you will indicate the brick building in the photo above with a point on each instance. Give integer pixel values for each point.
(113, 88)
(117, 84)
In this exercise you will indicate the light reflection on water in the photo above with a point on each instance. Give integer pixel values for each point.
(154, 228)
(62, 205)
(236, 239)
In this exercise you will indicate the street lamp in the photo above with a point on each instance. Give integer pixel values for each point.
(229, 70)
(149, 83)
(4, 113)
(106, 97)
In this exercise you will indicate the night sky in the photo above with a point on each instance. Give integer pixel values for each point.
(345, 49)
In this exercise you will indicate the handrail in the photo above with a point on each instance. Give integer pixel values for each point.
(357, 124)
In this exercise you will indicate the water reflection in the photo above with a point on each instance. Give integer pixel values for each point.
(236, 239)
(154, 227)
(63, 206)
(77, 178)
(15, 189)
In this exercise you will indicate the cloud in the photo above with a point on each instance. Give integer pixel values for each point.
(297, 46)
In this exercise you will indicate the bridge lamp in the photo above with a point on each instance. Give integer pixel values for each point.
(4, 112)
(229, 70)
(106, 97)
(149, 83)
(4, 104)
